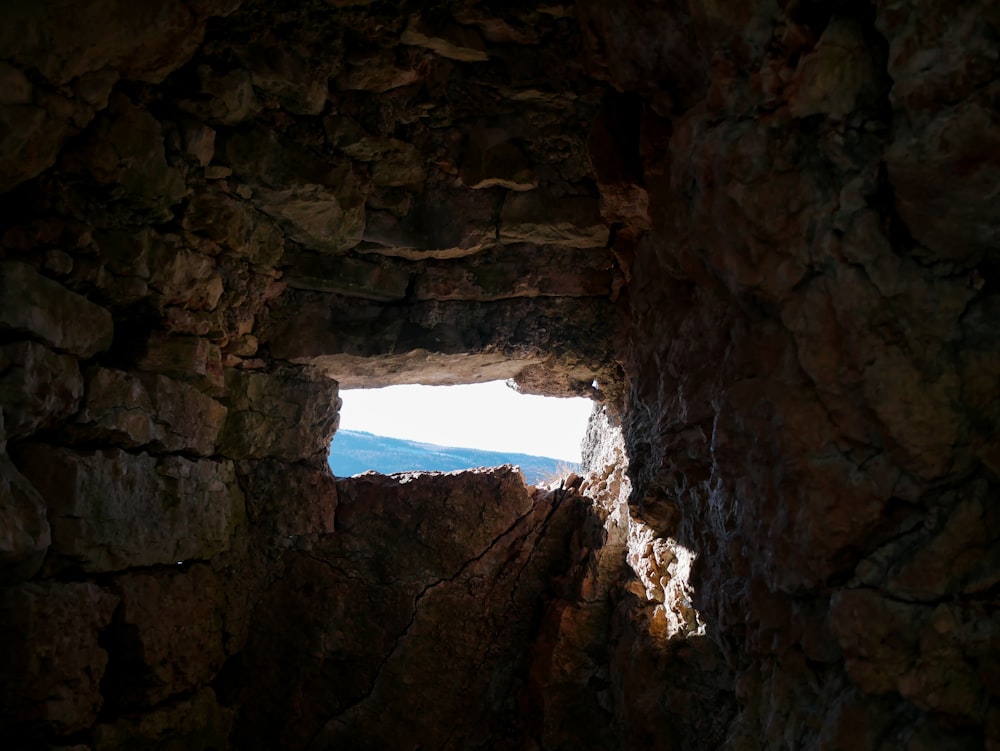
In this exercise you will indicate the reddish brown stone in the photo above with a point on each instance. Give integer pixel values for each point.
(764, 234)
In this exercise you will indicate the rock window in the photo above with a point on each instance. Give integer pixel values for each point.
(414, 427)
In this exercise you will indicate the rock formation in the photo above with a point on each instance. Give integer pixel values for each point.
(762, 236)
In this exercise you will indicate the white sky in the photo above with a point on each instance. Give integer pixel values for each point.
(488, 416)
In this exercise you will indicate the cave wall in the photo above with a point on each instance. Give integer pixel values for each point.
(815, 356)
(761, 236)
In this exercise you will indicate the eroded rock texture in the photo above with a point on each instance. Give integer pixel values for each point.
(762, 236)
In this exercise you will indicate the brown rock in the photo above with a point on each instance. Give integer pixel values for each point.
(184, 277)
(149, 410)
(651, 49)
(491, 159)
(395, 163)
(78, 46)
(39, 388)
(288, 501)
(316, 200)
(199, 142)
(32, 304)
(573, 221)
(111, 510)
(448, 40)
(375, 279)
(625, 203)
(942, 157)
(441, 223)
(284, 418)
(24, 526)
(960, 555)
(516, 30)
(223, 98)
(943, 679)
(439, 344)
(15, 88)
(879, 637)
(117, 408)
(147, 43)
(838, 77)
(167, 634)
(196, 724)
(932, 63)
(187, 420)
(377, 73)
(234, 224)
(32, 137)
(51, 675)
(291, 75)
(475, 536)
(124, 152)
(191, 359)
(517, 271)
(800, 342)
(125, 253)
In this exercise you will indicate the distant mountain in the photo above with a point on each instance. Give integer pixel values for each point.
(353, 452)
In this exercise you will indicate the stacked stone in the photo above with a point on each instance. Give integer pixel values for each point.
(192, 254)
(767, 232)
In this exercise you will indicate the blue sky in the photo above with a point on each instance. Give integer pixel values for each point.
(485, 416)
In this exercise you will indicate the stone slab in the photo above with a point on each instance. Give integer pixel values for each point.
(112, 510)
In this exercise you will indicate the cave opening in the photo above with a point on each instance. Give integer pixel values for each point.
(418, 427)
(767, 230)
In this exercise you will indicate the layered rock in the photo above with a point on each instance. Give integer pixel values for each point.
(761, 235)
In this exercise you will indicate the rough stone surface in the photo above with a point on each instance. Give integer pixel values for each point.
(280, 417)
(443, 342)
(469, 533)
(37, 306)
(110, 510)
(762, 236)
(38, 387)
(289, 501)
(136, 410)
(198, 723)
(169, 634)
(518, 271)
(573, 221)
(50, 677)
(80, 57)
(24, 526)
(193, 359)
